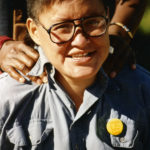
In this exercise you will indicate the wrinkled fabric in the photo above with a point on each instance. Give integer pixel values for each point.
(43, 117)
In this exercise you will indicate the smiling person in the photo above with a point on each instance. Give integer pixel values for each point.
(16, 55)
(80, 107)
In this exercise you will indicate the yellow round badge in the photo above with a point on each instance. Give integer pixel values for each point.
(114, 126)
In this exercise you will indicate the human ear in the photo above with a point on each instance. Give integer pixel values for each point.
(33, 30)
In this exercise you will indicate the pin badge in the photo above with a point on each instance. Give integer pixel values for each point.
(114, 126)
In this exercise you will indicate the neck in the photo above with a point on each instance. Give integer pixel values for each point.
(75, 88)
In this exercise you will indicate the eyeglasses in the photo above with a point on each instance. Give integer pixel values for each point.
(91, 26)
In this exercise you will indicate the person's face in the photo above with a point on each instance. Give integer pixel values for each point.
(81, 57)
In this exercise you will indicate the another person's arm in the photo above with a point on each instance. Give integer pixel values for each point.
(129, 14)
(2, 40)
(17, 55)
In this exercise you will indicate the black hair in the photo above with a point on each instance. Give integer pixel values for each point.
(34, 7)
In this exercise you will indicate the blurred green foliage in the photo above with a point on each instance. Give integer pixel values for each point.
(145, 23)
(141, 41)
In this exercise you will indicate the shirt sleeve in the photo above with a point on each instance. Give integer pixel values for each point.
(4, 39)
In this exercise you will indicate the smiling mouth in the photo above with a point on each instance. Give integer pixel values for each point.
(78, 56)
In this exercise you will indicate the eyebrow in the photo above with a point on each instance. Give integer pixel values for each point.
(63, 19)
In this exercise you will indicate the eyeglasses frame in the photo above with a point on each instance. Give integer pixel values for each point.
(75, 26)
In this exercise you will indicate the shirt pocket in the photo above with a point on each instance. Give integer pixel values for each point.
(127, 138)
(35, 134)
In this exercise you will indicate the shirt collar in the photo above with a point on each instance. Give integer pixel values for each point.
(38, 68)
(100, 84)
(93, 94)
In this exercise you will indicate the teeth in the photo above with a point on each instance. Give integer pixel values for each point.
(80, 55)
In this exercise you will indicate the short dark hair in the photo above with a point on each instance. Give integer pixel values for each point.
(34, 7)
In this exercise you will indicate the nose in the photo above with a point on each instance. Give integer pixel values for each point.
(80, 39)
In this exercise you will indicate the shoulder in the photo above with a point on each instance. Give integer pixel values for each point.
(142, 73)
(10, 88)
(134, 80)
(137, 76)
(136, 84)
(13, 94)
(18, 99)
(22, 107)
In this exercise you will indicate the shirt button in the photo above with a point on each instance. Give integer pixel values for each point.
(122, 139)
(89, 112)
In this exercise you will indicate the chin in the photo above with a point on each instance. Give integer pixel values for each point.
(84, 74)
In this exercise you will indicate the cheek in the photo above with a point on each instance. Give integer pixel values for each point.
(104, 40)
(43, 37)
(54, 52)
(102, 44)
(46, 44)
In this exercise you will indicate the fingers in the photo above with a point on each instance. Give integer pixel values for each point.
(16, 64)
(112, 74)
(41, 79)
(123, 54)
(30, 52)
(11, 69)
(18, 50)
(25, 59)
(43, 76)
(26, 54)
(132, 60)
(133, 67)
(15, 55)
(37, 80)
(19, 65)
(118, 62)
(14, 74)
